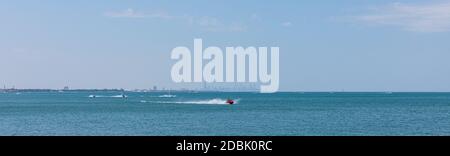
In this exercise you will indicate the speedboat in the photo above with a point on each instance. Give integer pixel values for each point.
(230, 101)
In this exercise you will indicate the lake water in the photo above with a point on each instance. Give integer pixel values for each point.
(205, 113)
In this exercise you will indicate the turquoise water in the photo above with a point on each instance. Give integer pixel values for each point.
(74, 113)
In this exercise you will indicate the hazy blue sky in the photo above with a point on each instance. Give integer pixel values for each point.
(351, 45)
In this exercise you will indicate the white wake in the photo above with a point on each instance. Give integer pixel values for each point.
(167, 96)
(215, 101)
(103, 96)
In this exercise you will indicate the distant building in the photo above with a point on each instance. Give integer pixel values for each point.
(66, 88)
(155, 88)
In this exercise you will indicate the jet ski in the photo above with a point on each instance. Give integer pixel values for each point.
(230, 101)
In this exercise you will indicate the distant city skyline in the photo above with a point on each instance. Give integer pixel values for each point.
(351, 45)
(252, 87)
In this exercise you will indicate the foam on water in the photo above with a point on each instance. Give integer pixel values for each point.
(167, 96)
(103, 96)
(215, 101)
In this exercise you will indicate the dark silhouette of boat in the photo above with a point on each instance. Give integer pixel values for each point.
(230, 101)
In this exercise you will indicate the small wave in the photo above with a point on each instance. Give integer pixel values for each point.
(103, 96)
(167, 96)
(119, 96)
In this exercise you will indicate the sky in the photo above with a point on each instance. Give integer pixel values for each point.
(336, 45)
